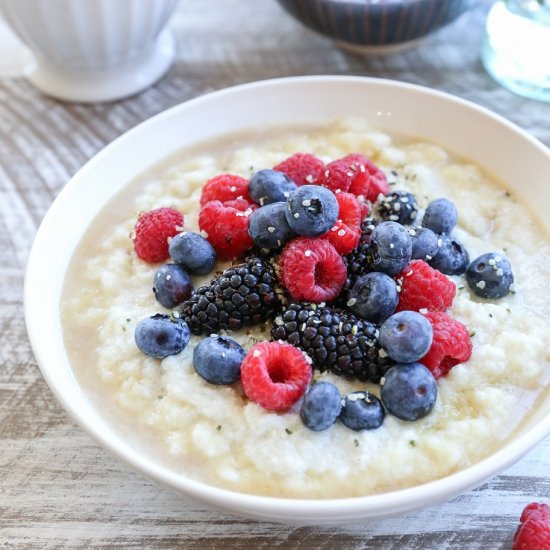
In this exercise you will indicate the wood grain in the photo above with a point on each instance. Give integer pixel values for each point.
(60, 490)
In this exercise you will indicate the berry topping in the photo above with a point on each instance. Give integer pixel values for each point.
(490, 275)
(268, 226)
(153, 229)
(423, 287)
(440, 216)
(242, 295)
(226, 226)
(335, 340)
(225, 187)
(398, 206)
(533, 532)
(193, 252)
(161, 335)
(321, 406)
(172, 285)
(452, 258)
(406, 336)
(409, 391)
(370, 183)
(302, 168)
(425, 243)
(267, 186)
(218, 359)
(345, 233)
(451, 344)
(362, 411)
(311, 210)
(391, 248)
(374, 297)
(275, 375)
(312, 269)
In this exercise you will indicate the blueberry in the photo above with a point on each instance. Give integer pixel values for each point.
(218, 359)
(161, 335)
(267, 186)
(172, 285)
(311, 210)
(398, 206)
(409, 391)
(193, 252)
(490, 275)
(452, 258)
(391, 248)
(268, 226)
(321, 406)
(406, 336)
(362, 411)
(374, 297)
(440, 216)
(424, 243)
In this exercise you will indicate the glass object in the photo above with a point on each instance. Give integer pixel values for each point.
(516, 50)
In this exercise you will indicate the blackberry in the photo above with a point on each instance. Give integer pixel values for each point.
(334, 340)
(398, 206)
(243, 295)
(358, 261)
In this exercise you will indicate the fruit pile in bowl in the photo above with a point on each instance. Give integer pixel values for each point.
(351, 275)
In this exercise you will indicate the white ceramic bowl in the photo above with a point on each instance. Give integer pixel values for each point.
(511, 155)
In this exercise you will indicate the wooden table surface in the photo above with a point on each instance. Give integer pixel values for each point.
(59, 489)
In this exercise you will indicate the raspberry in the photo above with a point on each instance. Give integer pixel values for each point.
(533, 532)
(345, 233)
(370, 181)
(423, 287)
(312, 269)
(302, 168)
(451, 344)
(226, 224)
(225, 187)
(275, 375)
(152, 231)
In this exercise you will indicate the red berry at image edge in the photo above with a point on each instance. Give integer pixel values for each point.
(423, 287)
(302, 168)
(533, 532)
(152, 231)
(225, 187)
(275, 375)
(226, 227)
(346, 232)
(451, 344)
(312, 269)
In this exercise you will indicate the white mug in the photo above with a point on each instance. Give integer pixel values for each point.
(93, 50)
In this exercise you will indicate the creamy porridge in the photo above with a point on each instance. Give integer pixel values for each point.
(213, 433)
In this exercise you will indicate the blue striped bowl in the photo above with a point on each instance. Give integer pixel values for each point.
(365, 25)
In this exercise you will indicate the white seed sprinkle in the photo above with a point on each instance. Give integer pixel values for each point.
(428, 257)
(256, 353)
(223, 354)
(397, 207)
(513, 288)
(413, 214)
(357, 396)
(412, 232)
(351, 302)
(341, 233)
(306, 202)
(233, 189)
(334, 228)
(404, 199)
(286, 194)
(340, 326)
(310, 178)
(382, 353)
(439, 242)
(297, 215)
(168, 277)
(394, 217)
(279, 321)
(481, 284)
(271, 229)
(382, 381)
(308, 253)
(204, 234)
(176, 314)
(349, 174)
(392, 245)
(354, 329)
(423, 310)
(303, 327)
(492, 262)
(500, 272)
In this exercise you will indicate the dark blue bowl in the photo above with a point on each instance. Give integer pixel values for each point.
(364, 25)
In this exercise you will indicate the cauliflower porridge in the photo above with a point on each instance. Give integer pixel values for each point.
(213, 433)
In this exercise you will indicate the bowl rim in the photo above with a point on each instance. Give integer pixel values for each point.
(258, 506)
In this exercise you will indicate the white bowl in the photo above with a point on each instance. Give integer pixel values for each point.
(511, 155)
